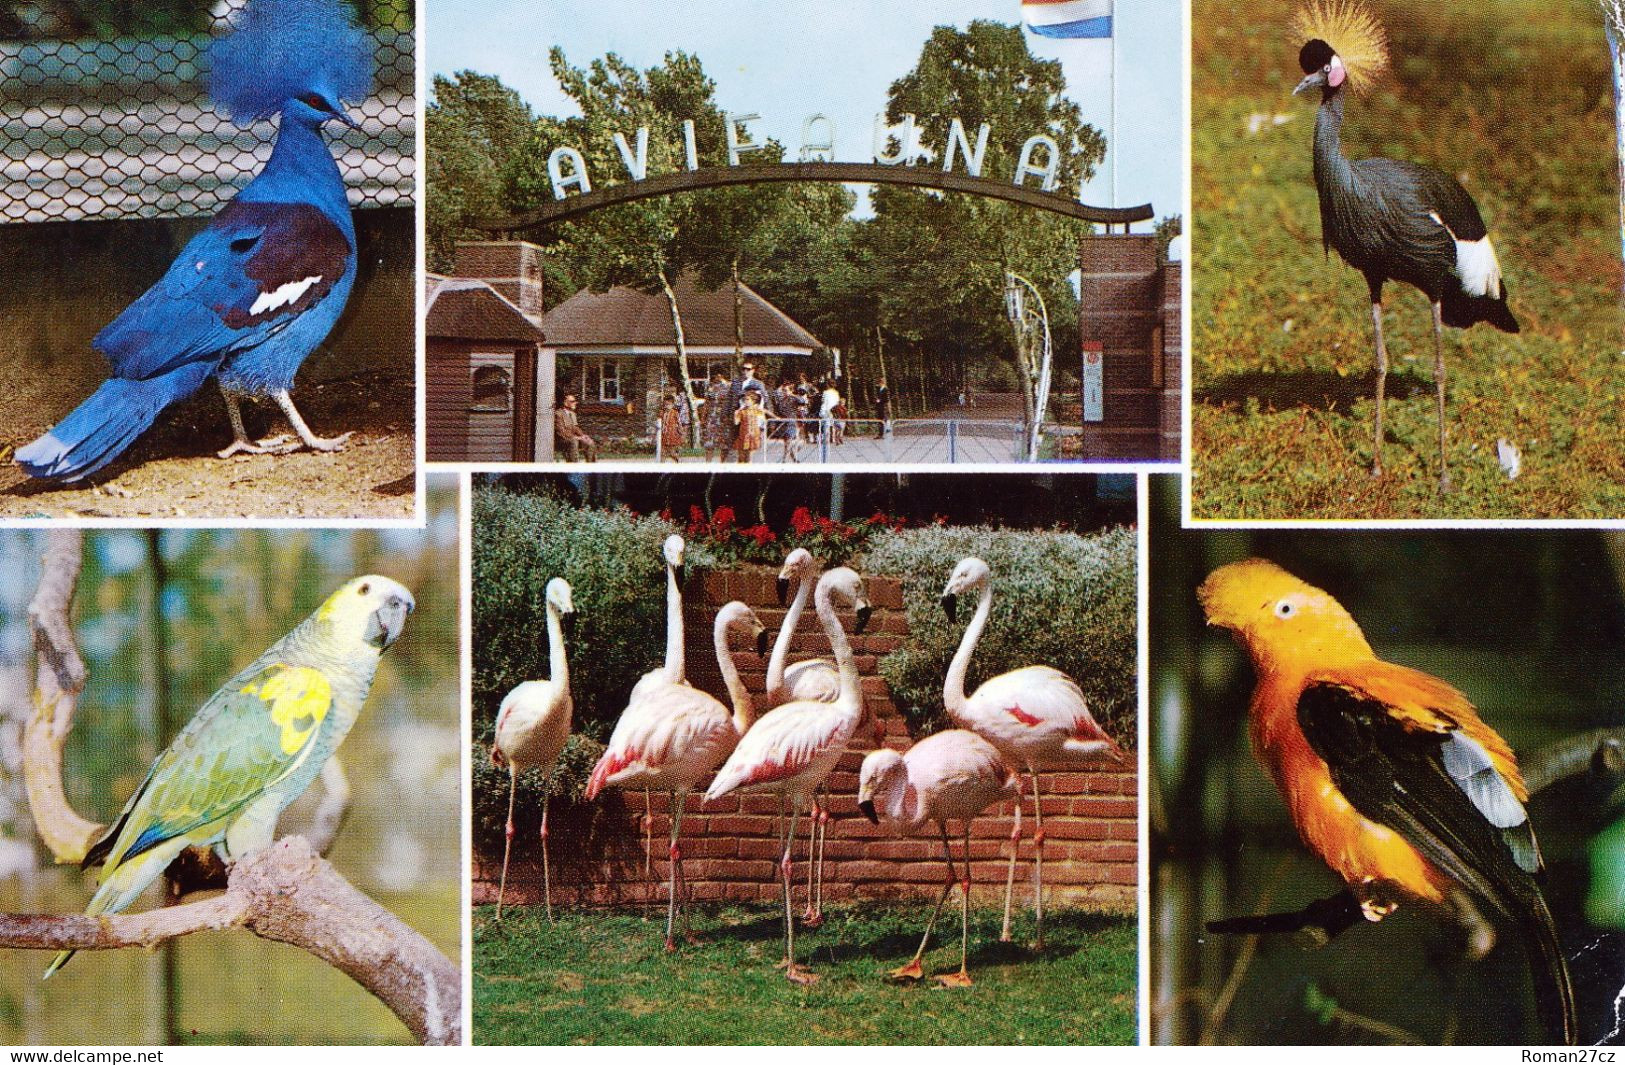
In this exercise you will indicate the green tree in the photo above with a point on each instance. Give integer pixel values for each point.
(474, 129)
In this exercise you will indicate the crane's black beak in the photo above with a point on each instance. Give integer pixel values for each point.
(1317, 80)
(950, 605)
(867, 806)
(784, 590)
(761, 643)
(863, 619)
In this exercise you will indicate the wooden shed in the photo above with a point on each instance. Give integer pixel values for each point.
(490, 395)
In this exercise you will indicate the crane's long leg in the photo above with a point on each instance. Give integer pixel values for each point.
(312, 441)
(1382, 384)
(507, 845)
(795, 975)
(962, 977)
(1038, 860)
(912, 970)
(1438, 387)
(1010, 874)
(547, 875)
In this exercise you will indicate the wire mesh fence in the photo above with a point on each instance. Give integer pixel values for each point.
(108, 119)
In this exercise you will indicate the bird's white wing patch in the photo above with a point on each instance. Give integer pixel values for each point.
(281, 295)
(1476, 264)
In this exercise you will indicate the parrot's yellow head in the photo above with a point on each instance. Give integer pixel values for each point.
(1279, 618)
(370, 610)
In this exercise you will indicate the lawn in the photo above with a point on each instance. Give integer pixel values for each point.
(1512, 97)
(602, 977)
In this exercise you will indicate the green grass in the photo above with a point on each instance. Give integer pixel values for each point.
(1513, 97)
(603, 977)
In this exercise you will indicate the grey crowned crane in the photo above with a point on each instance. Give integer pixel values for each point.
(1389, 219)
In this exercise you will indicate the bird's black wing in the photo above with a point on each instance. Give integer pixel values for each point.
(1441, 792)
(1433, 191)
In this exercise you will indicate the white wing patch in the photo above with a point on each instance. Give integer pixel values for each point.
(283, 294)
(1476, 264)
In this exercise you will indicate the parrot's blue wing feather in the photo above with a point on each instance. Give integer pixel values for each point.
(251, 271)
(247, 737)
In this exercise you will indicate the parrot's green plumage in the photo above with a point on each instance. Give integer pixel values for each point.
(254, 746)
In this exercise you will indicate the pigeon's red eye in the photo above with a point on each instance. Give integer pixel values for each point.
(314, 101)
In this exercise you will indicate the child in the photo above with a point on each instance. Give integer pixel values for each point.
(671, 429)
(752, 422)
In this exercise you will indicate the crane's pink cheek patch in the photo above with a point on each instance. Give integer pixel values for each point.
(1337, 75)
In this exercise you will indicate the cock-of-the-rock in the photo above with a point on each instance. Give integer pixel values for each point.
(253, 747)
(1389, 774)
(253, 294)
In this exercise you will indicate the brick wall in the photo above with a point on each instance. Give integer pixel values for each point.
(1130, 305)
(730, 848)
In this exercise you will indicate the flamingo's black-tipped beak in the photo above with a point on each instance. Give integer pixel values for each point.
(950, 605)
(867, 806)
(677, 571)
(863, 619)
(784, 590)
(761, 642)
(567, 622)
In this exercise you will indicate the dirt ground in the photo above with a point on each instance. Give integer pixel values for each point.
(172, 470)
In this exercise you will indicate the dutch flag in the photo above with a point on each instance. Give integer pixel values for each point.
(1068, 18)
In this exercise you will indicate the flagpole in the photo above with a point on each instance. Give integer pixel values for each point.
(1113, 147)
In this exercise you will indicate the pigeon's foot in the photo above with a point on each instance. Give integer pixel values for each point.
(271, 445)
(327, 443)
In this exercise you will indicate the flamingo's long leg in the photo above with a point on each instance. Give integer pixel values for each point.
(1010, 874)
(507, 845)
(547, 876)
(671, 884)
(679, 879)
(1038, 860)
(912, 970)
(799, 976)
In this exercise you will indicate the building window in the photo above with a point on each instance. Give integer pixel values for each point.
(493, 389)
(602, 378)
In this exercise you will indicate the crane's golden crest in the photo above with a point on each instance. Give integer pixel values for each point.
(1353, 33)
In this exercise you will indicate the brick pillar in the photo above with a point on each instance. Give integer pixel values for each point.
(512, 267)
(1173, 365)
(1120, 308)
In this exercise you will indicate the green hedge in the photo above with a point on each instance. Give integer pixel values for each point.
(1059, 599)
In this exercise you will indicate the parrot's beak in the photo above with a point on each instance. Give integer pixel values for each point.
(784, 590)
(761, 643)
(1317, 80)
(386, 623)
(863, 619)
(867, 806)
(950, 605)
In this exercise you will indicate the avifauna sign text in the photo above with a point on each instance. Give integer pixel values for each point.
(894, 144)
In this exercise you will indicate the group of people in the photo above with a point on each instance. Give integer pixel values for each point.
(738, 417)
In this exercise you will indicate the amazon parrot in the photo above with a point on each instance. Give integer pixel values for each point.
(253, 747)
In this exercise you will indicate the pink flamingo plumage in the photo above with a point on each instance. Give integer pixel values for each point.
(794, 747)
(953, 775)
(671, 736)
(532, 727)
(1034, 716)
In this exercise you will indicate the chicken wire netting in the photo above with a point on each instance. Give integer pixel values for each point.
(104, 112)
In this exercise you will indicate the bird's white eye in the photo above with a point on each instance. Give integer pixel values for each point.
(1285, 608)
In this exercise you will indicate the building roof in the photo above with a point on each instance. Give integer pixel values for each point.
(464, 309)
(625, 318)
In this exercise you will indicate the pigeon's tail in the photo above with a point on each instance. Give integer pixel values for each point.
(101, 427)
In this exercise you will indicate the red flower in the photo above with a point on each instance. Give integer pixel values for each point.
(824, 524)
(665, 514)
(723, 518)
(801, 521)
(761, 534)
(696, 516)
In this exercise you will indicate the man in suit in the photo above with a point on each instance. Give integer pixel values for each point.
(568, 434)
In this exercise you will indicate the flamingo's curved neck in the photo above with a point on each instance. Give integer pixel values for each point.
(673, 671)
(738, 695)
(787, 631)
(953, 685)
(559, 672)
(851, 690)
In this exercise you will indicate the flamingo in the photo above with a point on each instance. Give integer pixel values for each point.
(673, 735)
(793, 747)
(532, 727)
(672, 669)
(1034, 716)
(953, 775)
(814, 679)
